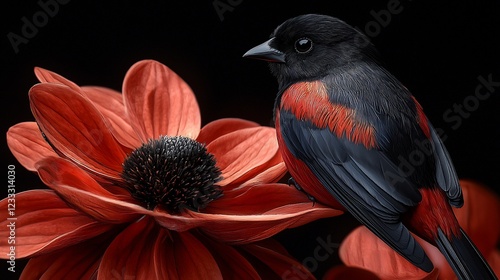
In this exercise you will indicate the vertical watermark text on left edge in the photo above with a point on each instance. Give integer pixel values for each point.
(11, 217)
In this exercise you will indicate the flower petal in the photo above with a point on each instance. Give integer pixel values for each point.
(272, 174)
(110, 104)
(146, 251)
(129, 254)
(342, 272)
(47, 76)
(193, 259)
(159, 102)
(362, 248)
(437, 258)
(232, 264)
(76, 129)
(243, 229)
(82, 192)
(217, 128)
(44, 223)
(79, 261)
(273, 255)
(481, 208)
(258, 199)
(27, 144)
(244, 153)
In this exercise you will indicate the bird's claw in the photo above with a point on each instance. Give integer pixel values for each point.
(291, 181)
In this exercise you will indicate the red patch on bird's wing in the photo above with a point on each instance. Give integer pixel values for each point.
(422, 119)
(309, 101)
(303, 175)
(434, 211)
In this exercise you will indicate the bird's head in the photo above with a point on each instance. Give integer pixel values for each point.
(309, 46)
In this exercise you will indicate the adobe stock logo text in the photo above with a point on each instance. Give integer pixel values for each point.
(39, 19)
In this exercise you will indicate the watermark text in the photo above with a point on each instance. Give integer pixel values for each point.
(11, 218)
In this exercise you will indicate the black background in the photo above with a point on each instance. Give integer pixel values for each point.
(437, 50)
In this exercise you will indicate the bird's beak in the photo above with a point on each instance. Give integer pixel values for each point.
(265, 52)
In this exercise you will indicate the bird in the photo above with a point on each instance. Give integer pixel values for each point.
(352, 135)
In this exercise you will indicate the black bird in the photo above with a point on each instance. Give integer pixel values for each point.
(345, 125)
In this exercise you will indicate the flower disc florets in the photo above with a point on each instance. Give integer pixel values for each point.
(174, 172)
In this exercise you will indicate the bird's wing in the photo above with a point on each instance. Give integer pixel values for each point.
(446, 176)
(363, 180)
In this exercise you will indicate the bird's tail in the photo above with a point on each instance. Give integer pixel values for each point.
(463, 257)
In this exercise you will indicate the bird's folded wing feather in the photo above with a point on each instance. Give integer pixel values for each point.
(363, 180)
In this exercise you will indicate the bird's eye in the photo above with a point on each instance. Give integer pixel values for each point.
(303, 45)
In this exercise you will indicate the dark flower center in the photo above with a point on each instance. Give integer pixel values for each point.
(174, 172)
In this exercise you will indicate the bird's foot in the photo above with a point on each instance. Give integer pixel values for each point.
(291, 181)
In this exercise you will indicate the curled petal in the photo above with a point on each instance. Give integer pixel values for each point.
(271, 174)
(243, 229)
(76, 129)
(27, 144)
(259, 199)
(159, 102)
(362, 248)
(145, 251)
(46, 76)
(82, 192)
(217, 128)
(110, 104)
(258, 227)
(245, 153)
(44, 223)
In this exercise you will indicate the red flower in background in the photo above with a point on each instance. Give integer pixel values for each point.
(479, 217)
(138, 189)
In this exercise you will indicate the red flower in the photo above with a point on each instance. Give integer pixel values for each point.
(138, 189)
(479, 217)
